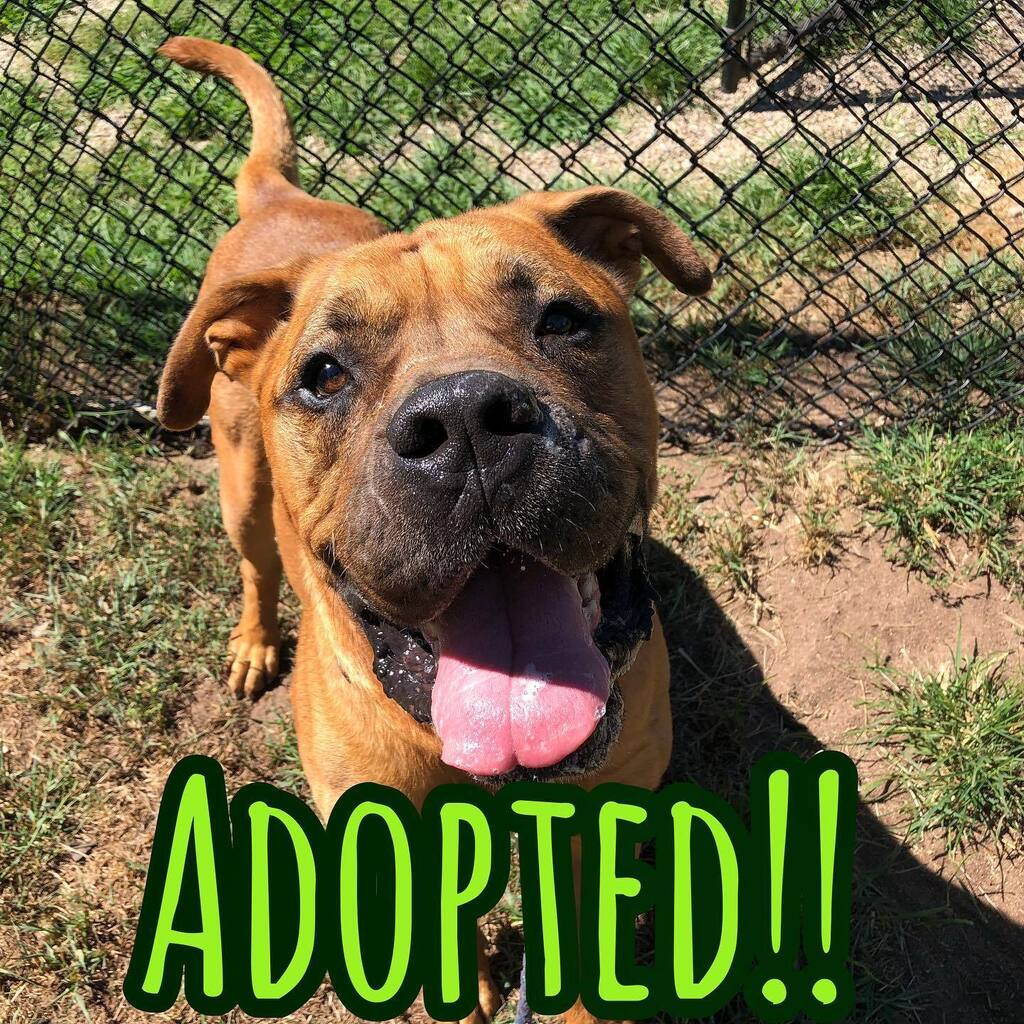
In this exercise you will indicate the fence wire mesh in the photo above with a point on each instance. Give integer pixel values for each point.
(853, 169)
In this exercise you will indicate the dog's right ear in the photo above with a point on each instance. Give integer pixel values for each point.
(225, 330)
(615, 228)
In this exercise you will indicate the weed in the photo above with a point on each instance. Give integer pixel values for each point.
(116, 553)
(36, 500)
(949, 321)
(926, 490)
(283, 766)
(678, 518)
(732, 561)
(725, 543)
(780, 477)
(942, 21)
(817, 510)
(899, 25)
(955, 738)
(795, 213)
(441, 178)
(43, 803)
(768, 473)
(812, 203)
(120, 581)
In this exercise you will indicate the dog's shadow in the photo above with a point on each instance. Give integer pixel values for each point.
(922, 948)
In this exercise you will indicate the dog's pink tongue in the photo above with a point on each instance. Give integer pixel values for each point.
(519, 680)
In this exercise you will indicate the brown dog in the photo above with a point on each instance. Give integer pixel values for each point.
(452, 438)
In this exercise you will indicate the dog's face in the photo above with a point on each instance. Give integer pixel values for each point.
(460, 426)
(437, 394)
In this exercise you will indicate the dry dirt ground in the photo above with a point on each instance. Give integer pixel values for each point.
(815, 630)
(768, 651)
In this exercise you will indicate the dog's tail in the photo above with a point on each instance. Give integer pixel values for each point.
(272, 163)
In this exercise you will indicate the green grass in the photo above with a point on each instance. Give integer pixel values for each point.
(940, 20)
(43, 806)
(124, 584)
(39, 813)
(952, 320)
(955, 739)
(36, 503)
(800, 213)
(899, 25)
(119, 591)
(725, 543)
(815, 203)
(441, 178)
(143, 569)
(929, 493)
(799, 199)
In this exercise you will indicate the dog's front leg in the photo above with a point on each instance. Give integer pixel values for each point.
(488, 998)
(578, 1013)
(246, 500)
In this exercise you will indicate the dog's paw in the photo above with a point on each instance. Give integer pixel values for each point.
(252, 660)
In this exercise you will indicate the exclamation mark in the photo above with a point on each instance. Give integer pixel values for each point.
(778, 815)
(827, 922)
(824, 989)
(774, 989)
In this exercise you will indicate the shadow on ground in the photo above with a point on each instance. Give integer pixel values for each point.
(923, 949)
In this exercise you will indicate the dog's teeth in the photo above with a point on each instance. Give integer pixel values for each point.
(587, 587)
(590, 598)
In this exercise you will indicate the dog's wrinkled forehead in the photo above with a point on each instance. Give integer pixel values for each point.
(481, 265)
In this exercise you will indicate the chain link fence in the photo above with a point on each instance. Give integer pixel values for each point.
(853, 169)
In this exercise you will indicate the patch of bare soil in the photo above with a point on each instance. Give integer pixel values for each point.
(956, 919)
(825, 624)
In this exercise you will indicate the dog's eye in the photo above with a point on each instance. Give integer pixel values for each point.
(327, 377)
(559, 319)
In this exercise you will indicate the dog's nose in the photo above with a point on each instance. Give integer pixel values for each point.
(475, 418)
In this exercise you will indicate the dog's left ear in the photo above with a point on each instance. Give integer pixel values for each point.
(224, 331)
(615, 229)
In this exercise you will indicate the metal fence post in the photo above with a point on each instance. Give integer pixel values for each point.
(733, 68)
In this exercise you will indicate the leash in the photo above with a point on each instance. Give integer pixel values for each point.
(524, 1015)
